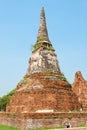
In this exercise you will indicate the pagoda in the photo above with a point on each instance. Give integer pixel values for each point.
(43, 56)
(43, 88)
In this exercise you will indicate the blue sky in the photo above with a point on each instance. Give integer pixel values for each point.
(19, 23)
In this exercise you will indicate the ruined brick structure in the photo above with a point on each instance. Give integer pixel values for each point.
(44, 88)
(80, 89)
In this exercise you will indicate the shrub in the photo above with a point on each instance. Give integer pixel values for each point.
(4, 100)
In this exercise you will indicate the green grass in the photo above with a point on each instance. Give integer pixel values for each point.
(59, 127)
(40, 129)
(3, 127)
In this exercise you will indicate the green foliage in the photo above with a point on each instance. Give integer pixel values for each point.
(54, 116)
(51, 48)
(4, 100)
(41, 39)
(11, 92)
(35, 46)
(69, 117)
(41, 129)
(64, 78)
(3, 127)
(14, 115)
(59, 127)
(23, 81)
(82, 125)
(60, 77)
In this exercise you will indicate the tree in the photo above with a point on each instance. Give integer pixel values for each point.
(4, 100)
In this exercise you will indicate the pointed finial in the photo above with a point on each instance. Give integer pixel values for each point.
(42, 32)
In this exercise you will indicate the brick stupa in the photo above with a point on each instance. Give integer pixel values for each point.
(44, 88)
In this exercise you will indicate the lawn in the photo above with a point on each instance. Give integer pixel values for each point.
(3, 127)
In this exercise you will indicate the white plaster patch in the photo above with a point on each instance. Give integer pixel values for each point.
(44, 111)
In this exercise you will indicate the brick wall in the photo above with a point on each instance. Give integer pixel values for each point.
(37, 120)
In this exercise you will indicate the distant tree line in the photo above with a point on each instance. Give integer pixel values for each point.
(4, 100)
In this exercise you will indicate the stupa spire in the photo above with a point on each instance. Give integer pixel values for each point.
(42, 32)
